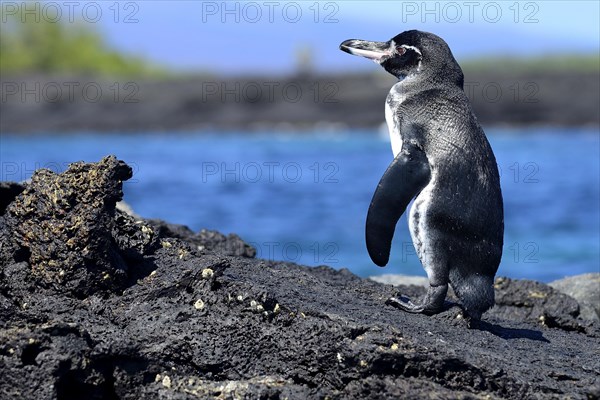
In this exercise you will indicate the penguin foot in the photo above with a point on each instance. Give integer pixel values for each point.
(432, 304)
(405, 304)
(473, 320)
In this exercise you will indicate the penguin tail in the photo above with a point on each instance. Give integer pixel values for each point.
(476, 293)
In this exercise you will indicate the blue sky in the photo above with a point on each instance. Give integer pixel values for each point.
(265, 36)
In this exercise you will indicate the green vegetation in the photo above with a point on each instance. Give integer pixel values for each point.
(550, 63)
(36, 45)
(30, 46)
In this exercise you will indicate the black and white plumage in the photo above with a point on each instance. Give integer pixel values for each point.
(444, 162)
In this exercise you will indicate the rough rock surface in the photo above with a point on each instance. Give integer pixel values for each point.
(8, 191)
(62, 225)
(585, 289)
(194, 316)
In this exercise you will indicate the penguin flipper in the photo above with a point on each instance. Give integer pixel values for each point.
(405, 177)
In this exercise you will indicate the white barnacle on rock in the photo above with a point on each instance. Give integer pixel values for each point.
(166, 381)
(256, 306)
(207, 273)
(199, 304)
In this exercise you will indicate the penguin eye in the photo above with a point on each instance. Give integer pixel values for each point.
(400, 50)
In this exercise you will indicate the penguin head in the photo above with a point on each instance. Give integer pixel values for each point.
(411, 54)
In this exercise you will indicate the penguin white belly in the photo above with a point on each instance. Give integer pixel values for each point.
(395, 136)
(419, 228)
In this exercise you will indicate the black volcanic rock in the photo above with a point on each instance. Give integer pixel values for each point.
(230, 245)
(192, 318)
(61, 224)
(585, 289)
(255, 103)
(8, 192)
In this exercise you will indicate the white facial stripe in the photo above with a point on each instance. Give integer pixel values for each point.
(412, 48)
(405, 46)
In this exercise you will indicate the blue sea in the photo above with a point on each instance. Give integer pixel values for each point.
(303, 197)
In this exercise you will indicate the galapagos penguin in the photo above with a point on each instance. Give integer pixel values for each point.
(442, 160)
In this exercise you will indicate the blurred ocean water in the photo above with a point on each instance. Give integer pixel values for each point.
(303, 197)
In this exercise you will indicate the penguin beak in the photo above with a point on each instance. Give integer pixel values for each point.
(376, 51)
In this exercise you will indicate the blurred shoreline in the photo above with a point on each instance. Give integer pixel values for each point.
(50, 104)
